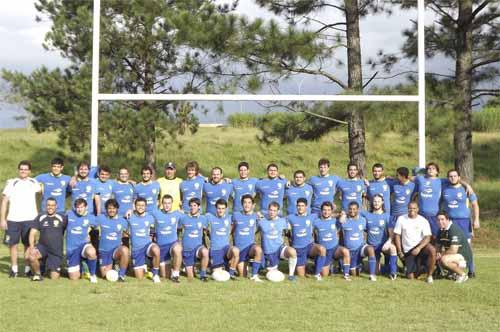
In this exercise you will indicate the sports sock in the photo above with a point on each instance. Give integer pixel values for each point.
(203, 273)
(122, 272)
(255, 268)
(27, 269)
(318, 264)
(232, 272)
(346, 269)
(175, 273)
(155, 271)
(292, 264)
(14, 268)
(92, 264)
(472, 268)
(372, 264)
(393, 259)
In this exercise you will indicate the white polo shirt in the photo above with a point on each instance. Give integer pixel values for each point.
(22, 199)
(412, 231)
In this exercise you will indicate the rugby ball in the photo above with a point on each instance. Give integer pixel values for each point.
(220, 275)
(112, 275)
(275, 276)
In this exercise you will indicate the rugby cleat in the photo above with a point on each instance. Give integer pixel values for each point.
(372, 277)
(393, 276)
(175, 280)
(256, 278)
(156, 279)
(12, 274)
(292, 278)
(461, 279)
(36, 277)
(347, 277)
(93, 279)
(429, 280)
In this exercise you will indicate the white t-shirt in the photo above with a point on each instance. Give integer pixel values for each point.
(412, 231)
(22, 199)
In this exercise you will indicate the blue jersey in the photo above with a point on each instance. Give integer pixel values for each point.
(85, 189)
(213, 192)
(77, 230)
(105, 192)
(353, 232)
(166, 225)
(193, 226)
(55, 187)
(244, 229)
(240, 188)
(124, 194)
(324, 188)
(139, 227)
(376, 227)
(191, 188)
(326, 230)
(456, 202)
(401, 197)
(110, 232)
(429, 194)
(293, 193)
(352, 191)
(220, 230)
(382, 188)
(150, 192)
(302, 227)
(270, 190)
(271, 232)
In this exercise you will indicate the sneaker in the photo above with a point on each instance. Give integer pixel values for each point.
(204, 279)
(393, 276)
(29, 274)
(256, 278)
(175, 280)
(36, 277)
(471, 275)
(156, 279)
(12, 274)
(234, 277)
(318, 277)
(292, 278)
(462, 278)
(372, 277)
(93, 279)
(121, 279)
(429, 280)
(347, 277)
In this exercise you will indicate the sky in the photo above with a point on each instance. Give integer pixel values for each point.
(21, 38)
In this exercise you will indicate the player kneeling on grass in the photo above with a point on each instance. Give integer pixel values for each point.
(111, 227)
(193, 226)
(353, 236)
(244, 226)
(166, 237)
(377, 223)
(271, 229)
(51, 226)
(301, 225)
(454, 252)
(78, 244)
(326, 230)
(221, 252)
(139, 225)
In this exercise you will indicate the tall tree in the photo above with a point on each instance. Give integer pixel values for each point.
(467, 32)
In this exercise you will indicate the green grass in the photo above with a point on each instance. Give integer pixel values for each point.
(304, 306)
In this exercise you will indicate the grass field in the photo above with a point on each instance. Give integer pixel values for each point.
(302, 306)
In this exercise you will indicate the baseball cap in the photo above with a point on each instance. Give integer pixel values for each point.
(170, 164)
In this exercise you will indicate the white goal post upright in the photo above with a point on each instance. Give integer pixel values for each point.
(420, 98)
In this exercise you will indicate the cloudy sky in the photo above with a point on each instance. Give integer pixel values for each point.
(21, 38)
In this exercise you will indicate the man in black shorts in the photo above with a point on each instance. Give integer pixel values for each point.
(51, 226)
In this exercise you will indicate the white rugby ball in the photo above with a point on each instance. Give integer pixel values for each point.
(112, 275)
(220, 275)
(275, 276)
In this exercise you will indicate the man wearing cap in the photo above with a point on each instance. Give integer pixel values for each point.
(170, 185)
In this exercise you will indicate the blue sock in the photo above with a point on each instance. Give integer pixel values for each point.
(122, 272)
(393, 266)
(372, 265)
(232, 272)
(318, 264)
(155, 271)
(263, 264)
(203, 273)
(346, 269)
(92, 264)
(472, 268)
(255, 268)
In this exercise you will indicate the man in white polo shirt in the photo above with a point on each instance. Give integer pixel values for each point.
(413, 236)
(19, 196)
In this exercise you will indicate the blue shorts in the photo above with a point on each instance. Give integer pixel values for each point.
(219, 257)
(357, 256)
(107, 257)
(139, 256)
(273, 259)
(465, 225)
(189, 256)
(378, 249)
(245, 253)
(53, 262)
(18, 231)
(303, 254)
(166, 252)
(330, 255)
(433, 223)
(74, 257)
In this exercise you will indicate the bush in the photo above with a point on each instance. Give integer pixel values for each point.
(242, 120)
(487, 120)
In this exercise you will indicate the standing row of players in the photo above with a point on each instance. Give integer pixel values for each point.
(396, 194)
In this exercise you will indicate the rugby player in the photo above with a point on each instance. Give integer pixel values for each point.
(324, 186)
(301, 224)
(192, 186)
(402, 191)
(244, 228)
(170, 185)
(54, 184)
(123, 192)
(298, 189)
(242, 186)
(148, 189)
(271, 189)
(216, 188)
(379, 186)
(352, 189)
(84, 187)
(104, 187)
(271, 230)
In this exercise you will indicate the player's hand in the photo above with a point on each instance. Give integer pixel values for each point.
(367, 183)
(3, 225)
(401, 256)
(228, 180)
(342, 217)
(132, 182)
(415, 251)
(128, 214)
(476, 224)
(438, 256)
(469, 190)
(72, 182)
(260, 215)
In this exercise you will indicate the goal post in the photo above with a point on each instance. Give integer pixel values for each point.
(96, 96)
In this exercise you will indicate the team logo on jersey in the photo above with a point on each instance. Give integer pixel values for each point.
(307, 192)
(280, 185)
(226, 222)
(85, 222)
(197, 185)
(408, 191)
(172, 220)
(384, 187)
(330, 183)
(271, 225)
(308, 222)
(155, 191)
(360, 227)
(146, 223)
(427, 183)
(459, 195)
(63, 183)
(223, 191)
(381, 222)
(250, 187)
(56, 222)
(88, 189)
(333, 227)
(199, 224)
(119, 227)
(251, 222)
(358, 188)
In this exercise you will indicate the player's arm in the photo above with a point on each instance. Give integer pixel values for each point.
(475, 214)
(425, 241)
(453, 249)
(32, 238)
(97, 200)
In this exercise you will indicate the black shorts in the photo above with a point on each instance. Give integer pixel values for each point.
(18, 231)
(53, 261)
(411, 261)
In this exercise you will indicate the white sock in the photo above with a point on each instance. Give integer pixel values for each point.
(292, 263)
(175, 273)
(14, 268)
(27, 269)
